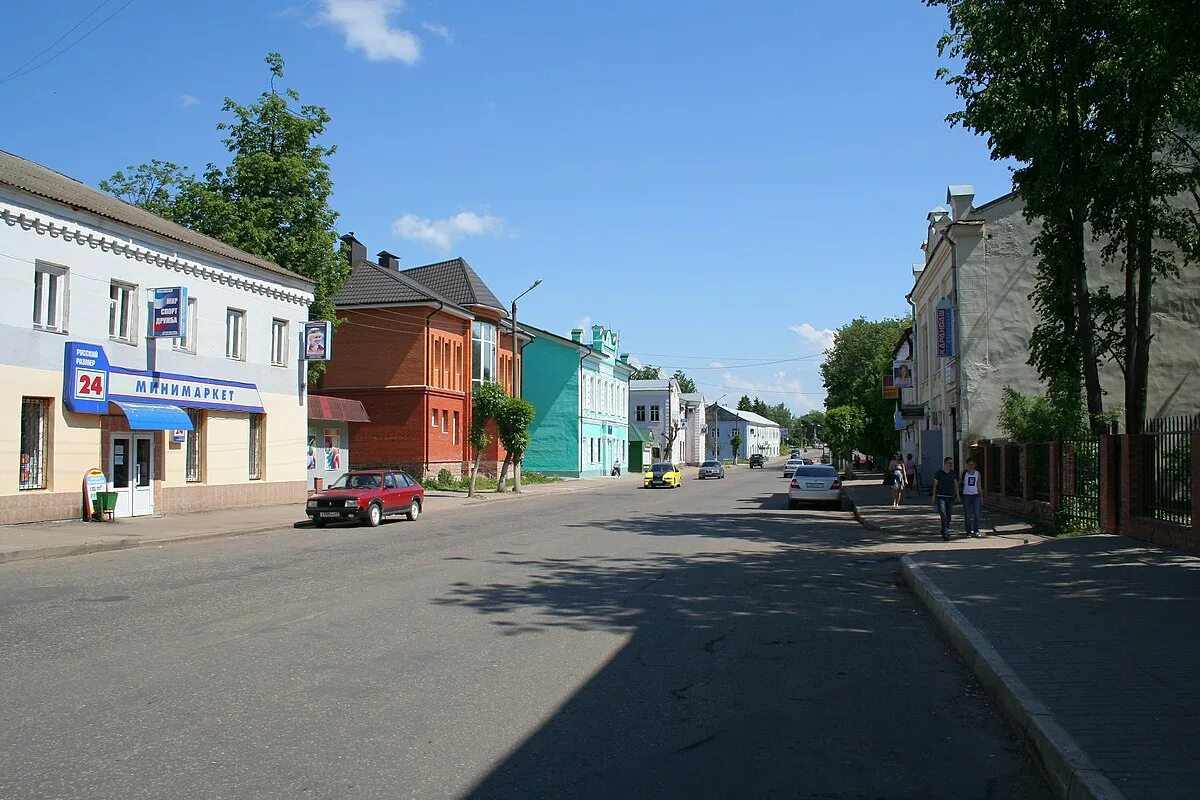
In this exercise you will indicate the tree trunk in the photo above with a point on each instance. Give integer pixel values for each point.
(517, 473)
(474, 471)
(504, 472)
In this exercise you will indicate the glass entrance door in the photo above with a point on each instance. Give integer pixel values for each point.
(130, 461)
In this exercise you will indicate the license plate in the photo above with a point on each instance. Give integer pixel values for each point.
(329, 514)
(815, 485)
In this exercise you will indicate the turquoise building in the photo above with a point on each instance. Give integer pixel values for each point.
(580, 391)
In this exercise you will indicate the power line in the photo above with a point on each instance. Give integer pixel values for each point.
(21, 73)
(719, 358)
(53, 44)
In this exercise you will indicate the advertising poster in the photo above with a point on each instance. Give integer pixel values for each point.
(902, 374)
(170, 312)
(93, 481)
(312, 453)
(317, 341)
(333, 448)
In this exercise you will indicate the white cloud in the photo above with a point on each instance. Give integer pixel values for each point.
(441, 234)
(716, 365)
(822, 338)
(437, 30)
(187, 101)
(584, 322)
(365, 25)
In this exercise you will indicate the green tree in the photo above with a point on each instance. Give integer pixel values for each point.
(745, 404)
(844, 428)
(488, 400)
(686, 384)
(811, 425)
(853, 372)
(1026, 418)
(735, 442)
(272, 200)
(513, 419)
(646, 373)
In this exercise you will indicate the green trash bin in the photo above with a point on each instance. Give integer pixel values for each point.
(106, 503)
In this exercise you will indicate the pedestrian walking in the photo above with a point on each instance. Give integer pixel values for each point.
(895, 472)
(616, 470)
(945, 491)
(971, 499)
(910, 473)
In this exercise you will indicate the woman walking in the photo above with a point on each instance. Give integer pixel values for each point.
(896, 473)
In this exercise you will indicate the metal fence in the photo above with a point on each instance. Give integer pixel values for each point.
(1013, 471)
(991, 477)
(1167, 469)
(1037, 472)
(1079, 484)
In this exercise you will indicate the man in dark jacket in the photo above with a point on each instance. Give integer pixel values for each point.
(945, 492)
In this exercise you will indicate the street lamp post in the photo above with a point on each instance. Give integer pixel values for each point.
(516, 383)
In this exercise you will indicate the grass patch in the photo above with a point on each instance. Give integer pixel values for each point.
(483, 483)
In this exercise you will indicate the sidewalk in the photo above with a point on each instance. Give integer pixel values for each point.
(1090, 645)
(74, 537)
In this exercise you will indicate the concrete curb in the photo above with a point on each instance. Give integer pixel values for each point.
(62, 550)
(1072, 774)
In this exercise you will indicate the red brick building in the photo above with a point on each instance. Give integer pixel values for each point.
(411, 346)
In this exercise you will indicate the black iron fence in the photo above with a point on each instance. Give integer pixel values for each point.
(1037, 472)
(991, 476)
(1079, 484)
(1167, 469)
(1013, 471)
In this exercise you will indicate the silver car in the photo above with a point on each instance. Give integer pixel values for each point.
(712, 469)
(815, 483)
(791, 465)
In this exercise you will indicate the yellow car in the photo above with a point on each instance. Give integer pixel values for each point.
(663, 475)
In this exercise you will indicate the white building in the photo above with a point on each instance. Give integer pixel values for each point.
(695, 426)
(758, 434)
(212, 419)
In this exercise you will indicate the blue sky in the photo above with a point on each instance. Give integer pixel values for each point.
(723, 183)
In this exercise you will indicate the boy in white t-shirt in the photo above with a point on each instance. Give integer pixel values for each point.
(971, 481)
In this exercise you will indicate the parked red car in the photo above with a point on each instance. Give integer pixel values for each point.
(368, 496)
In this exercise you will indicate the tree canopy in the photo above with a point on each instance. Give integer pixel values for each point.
(646, 373)
(853, 373)
(686, 384)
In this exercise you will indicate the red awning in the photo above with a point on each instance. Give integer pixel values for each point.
(336, 408)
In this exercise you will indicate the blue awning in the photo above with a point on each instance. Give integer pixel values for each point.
(154, 416)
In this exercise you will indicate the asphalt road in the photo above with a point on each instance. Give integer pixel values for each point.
(694, 642)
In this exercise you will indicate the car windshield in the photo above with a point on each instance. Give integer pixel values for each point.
(711, 464)
(816, 472)
(659, 469)
(357, 481)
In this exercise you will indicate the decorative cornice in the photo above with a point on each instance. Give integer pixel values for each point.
(110, 244)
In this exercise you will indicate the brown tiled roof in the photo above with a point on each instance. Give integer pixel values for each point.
(456, 280)
(371, 284)
(336, 408)
(35, 179)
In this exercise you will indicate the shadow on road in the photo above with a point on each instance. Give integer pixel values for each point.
(773, 661)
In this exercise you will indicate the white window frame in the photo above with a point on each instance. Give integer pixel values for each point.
(279, 342)
(50, 297)
(484, 368)
(434, 418)
(235, 334)
(187, 342)
(122, 312)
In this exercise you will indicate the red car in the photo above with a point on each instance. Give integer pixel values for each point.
(367, 495)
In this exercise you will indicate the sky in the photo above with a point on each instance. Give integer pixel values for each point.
(724, 184)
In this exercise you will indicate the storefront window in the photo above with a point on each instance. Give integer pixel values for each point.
(483, 352)
(256, 446)
(34, 416)
(195, 447)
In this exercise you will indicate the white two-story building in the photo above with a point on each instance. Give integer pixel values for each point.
(212, 418)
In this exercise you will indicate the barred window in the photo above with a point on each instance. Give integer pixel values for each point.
(195, 446)
(34, 419)
(256, 447)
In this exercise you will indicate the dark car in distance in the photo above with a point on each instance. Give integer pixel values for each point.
(368, 496)
(757, 460)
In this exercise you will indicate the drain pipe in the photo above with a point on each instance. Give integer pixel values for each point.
(590, 350)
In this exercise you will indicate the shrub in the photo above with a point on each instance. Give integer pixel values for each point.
(444, 477)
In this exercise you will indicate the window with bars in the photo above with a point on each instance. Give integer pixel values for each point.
(122, 311)
(187, 342)
(34, 420)
(235, 334)
(49, 297)
(256, 447)
(279, 342)
(194, 468)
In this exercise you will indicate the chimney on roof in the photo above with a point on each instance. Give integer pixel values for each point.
(959, 196)
(357, 251)
(388, 260)
(577, 335)
(624, 358)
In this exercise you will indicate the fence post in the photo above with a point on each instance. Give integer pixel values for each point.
(1194, 544)
(1003, 488)
(1133, 476)
(1055, 467)
(1110, 483)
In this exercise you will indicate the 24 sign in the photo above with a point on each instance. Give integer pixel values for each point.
(90, 385)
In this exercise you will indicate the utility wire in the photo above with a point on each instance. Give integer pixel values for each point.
(22, 72)
(54, 44)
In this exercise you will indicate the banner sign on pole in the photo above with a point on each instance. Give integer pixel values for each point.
(945, 329)
(317, 340)
(170, 312)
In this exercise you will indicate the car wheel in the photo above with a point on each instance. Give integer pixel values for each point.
(374, 515)
(414, 511)
(318, 523)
